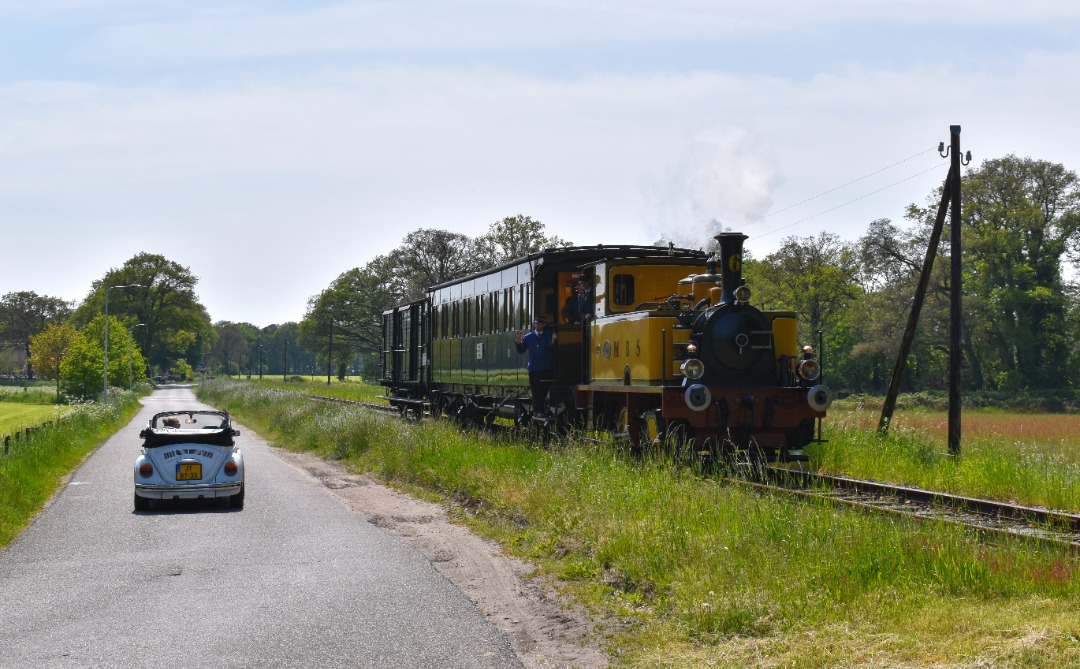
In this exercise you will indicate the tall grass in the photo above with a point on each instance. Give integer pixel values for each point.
(1024, 458)
(35, 466)
(699, 564)
(31, 395)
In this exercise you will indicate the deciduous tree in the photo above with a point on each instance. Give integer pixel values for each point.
(24, 314)
(176, 323)
(1021, 220)
(82, 368)
(48, 349)
(515, 237)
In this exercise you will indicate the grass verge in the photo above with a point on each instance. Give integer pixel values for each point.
(701, 574)
(35, 467)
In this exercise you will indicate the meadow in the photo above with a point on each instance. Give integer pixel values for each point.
(15, 417)
(26, 406)
(683, 570)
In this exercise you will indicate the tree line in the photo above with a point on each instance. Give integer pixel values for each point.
(157, 328)
(1021, 311)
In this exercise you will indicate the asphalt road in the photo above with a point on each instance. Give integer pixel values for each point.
(292, 580)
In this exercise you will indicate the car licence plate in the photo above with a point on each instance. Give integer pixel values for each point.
(188, 471)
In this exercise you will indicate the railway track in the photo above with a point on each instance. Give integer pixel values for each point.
(987, 517)
(983, 516)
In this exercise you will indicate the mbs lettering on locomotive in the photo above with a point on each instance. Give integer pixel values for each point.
(672, 353)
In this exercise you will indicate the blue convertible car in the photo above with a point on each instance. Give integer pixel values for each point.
(189, 455)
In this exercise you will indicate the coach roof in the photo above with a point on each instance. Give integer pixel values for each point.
(584, 255)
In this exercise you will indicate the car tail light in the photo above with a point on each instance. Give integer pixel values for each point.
(230, 468)
(146, 469)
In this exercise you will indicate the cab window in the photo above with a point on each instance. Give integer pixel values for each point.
(622, 290)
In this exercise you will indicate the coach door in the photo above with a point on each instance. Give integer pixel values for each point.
(570, 358)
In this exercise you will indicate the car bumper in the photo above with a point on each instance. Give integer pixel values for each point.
(201, 491)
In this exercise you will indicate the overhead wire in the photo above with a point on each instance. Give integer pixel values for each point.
(851, 201)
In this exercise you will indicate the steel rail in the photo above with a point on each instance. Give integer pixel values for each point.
(1035, 523)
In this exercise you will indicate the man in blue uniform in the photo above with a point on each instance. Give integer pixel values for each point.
(539, 343)
(579, 307)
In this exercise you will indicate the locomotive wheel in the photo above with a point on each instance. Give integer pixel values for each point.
(746, 460)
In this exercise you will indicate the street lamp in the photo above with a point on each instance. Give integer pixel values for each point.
(260, 360)
(105, 387)
(131, 348)
(330, 352)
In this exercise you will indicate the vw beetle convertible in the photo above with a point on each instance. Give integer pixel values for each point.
(189, 455)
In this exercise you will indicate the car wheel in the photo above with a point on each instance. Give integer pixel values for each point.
(142, 503)
(237, 500)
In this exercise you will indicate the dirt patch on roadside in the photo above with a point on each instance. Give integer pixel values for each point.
(542, 631)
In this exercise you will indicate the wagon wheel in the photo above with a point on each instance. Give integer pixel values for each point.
(522, 415)
(464, 414)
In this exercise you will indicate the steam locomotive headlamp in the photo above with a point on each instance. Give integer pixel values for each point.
(693, 369)
(697, 397)
(742, 294)
(809, 370)
(819, 398)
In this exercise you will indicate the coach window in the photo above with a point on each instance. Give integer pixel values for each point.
(622, 290)
(504, 313)
(526, 300)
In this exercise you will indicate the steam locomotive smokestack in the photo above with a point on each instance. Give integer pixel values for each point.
(730, 263)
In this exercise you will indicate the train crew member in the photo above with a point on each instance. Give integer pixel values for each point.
(579, 308)
(541, 365)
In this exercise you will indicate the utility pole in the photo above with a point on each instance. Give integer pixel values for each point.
(951, 201)
(956, 278)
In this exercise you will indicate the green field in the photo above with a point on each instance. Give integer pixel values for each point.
(14, 417)
(684, 570)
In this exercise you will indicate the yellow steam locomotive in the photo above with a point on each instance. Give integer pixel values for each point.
(670, 351)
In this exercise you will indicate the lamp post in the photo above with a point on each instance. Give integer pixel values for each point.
(330, 352)
(131, 348)
(260, 360)
(105, 387)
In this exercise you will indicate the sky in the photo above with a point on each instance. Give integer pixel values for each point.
(271, 146)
